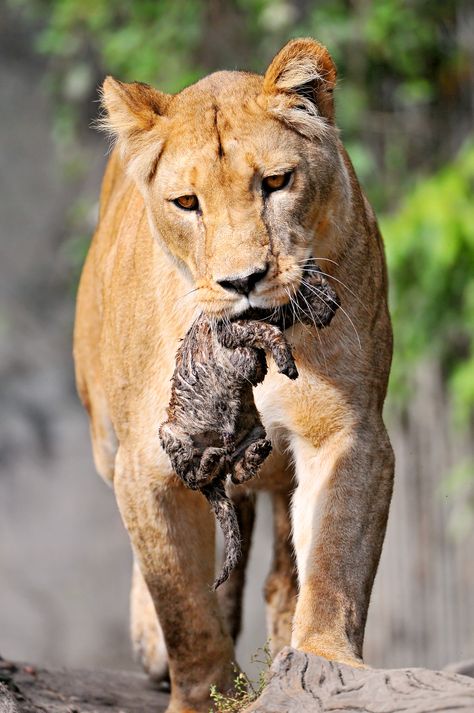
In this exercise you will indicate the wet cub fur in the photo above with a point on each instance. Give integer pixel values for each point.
(213, 427)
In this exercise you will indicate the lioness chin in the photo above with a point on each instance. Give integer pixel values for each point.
(214, 200)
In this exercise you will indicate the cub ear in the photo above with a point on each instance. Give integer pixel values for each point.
(301, 79)
(131, 111)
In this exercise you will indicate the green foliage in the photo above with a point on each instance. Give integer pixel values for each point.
(397, 62)
(430, 251)
(245, 690)
(150, 40)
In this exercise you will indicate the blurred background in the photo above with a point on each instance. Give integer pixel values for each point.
(405, 105)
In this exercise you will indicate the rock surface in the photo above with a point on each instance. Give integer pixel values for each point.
(27, 689)
(298, 683)
(301, 683)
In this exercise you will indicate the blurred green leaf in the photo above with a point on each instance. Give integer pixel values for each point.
(430, 252)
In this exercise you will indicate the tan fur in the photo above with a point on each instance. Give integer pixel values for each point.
(152, 267)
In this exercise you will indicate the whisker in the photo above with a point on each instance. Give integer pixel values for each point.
(308, 334)
(331, 277)
(296, 317)
(341, 308)
(311, 316)
(314, 259)
(187, 293)
(268, 316)
(275, 312)
(290, 297)
(304, 325)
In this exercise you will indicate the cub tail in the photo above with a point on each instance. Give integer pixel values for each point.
(226, 516)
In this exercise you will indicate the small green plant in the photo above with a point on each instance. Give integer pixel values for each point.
(245, 690)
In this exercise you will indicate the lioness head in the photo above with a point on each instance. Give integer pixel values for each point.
(238, 172)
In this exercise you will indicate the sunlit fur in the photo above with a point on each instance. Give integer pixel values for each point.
(200, 145)
(152, 268)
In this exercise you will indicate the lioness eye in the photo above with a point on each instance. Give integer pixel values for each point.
(187, 202)
(276, 182)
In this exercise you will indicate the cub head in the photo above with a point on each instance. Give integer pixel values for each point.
(241, 174)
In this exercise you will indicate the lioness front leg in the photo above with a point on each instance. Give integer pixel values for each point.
(281, 585)
(148, 642)
(340, 511)
(171, 529)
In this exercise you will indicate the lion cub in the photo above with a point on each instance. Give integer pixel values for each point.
(214, 428)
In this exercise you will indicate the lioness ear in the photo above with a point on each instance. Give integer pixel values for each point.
(301, 78)
(132, 110)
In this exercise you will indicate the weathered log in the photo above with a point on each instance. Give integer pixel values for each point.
(27, 689)
(302, 682)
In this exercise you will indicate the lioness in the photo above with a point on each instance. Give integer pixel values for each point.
(214, 199)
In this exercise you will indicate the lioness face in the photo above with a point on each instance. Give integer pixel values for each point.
(236, 172)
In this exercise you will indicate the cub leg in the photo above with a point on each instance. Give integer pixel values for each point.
(263, 336)
(231, 592)
(281, 585)
(340, 511)
(171, 529)
(180, 449)
(249, 363)
(148, 641)
(211, 465)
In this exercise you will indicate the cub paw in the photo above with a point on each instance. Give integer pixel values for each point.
(285, 362)
(290, 370)
(257, 452)
(212, 463)
(253, 458)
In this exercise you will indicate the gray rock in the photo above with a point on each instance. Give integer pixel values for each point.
(302, 683)
(466, 668)
(7, 704)
(78, 691)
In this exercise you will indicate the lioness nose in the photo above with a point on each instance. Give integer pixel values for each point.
(244, 285)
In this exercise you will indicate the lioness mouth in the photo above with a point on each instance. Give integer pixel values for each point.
(314, 302)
